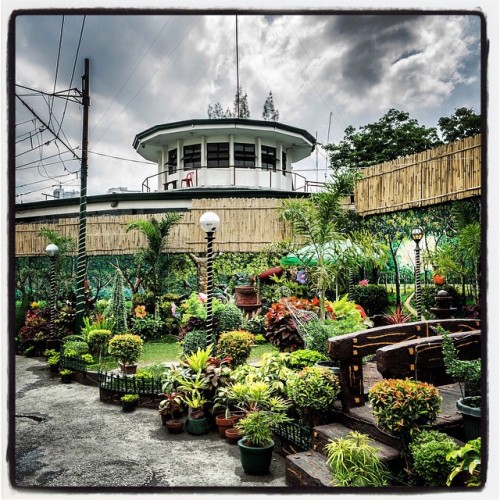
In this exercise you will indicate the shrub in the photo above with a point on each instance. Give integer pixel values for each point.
(126, 348)
(36, 327)
(117, 308)
(372, 298)
(317, 333)
(260, 339)
(396, 316)
(130, 398)
(193, 341)
(53, 359)
(255, 325)
(401, 407)
(148, 327)
(304, 357)
(88, 358)
(237, 345)
(467, 459)
(313, 389)
(228, 318)
(428, 451)
(75, 346)
(98, 340)
(64, 321)
(352, 461)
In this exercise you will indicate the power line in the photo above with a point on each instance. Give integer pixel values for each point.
(123, 159)
(51, 104)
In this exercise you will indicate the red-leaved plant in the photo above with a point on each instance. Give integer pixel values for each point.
(397, 316)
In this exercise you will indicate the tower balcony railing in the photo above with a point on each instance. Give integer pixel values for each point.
(232, 177)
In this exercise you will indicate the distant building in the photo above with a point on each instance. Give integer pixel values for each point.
(61, 193)
(121, 190)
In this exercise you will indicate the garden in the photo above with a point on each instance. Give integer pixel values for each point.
(255, 366)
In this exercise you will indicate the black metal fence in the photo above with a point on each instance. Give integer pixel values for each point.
(72, 363)
(295, 433)
(142, 385)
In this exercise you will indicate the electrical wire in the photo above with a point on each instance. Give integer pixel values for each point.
(51, 104)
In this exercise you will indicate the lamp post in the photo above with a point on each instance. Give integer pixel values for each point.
(209, 222)
(52, 250)
(417, 234)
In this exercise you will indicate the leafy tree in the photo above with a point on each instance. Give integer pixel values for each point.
(463, 123)
(156, 233)
(117, 307)
(392, 136)
(317, 221)
(270, 113)
(216, 111)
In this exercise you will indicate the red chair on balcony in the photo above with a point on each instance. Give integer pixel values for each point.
(188, 179)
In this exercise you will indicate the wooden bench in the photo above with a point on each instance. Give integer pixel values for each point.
(421, 359)
(349, 350)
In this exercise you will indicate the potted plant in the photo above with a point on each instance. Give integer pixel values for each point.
(53, 361)
(246, 294)
(66, 376)
(313, 391)
(127, 349)
(403, 407)
(167, 409)
(129, 402)
(236, 345)
(264, 410)
(467, 373)
(192, 396)
(353, 461)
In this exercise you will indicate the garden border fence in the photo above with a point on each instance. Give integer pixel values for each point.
(117, 383)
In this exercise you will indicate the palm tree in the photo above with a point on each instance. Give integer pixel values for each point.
(320, 221)
(156, 233)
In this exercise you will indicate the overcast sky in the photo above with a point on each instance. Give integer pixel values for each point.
(147, 70)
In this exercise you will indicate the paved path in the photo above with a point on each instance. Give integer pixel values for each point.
(66, 437)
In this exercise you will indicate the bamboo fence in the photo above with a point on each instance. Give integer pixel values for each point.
(446, 173)
(247, 225)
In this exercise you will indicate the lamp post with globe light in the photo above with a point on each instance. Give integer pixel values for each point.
(209, 222)
(417, 235)
(52, 251)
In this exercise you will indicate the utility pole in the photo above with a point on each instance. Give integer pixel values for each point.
(81, 273)
(237, 73)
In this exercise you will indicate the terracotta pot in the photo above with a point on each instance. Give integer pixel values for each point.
(233, 435)
(128, 369)
(223, 423)
(174, 426)
(246, 296)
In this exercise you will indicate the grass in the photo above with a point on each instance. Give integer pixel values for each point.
(165, 352)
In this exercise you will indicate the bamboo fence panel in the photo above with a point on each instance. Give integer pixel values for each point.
(446, 173)
(247, 225)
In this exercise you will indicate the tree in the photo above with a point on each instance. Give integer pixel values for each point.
(241, 109)
(318, 221)
(392, 136)
(156, 233)
(270, 113)
(463, 123)
(117, 307)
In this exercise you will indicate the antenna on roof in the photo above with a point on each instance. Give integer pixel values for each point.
(237, 74)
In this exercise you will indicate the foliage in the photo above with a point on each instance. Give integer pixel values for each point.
(98, 322)
(372, 298)
(171, 404)
(260, 339)
(126, 348)
(198, 360)
(36, 327)
(98, 340)
(304, 357)
(194, 307)
(54, 359)
(255, 325)
(87, 358)
(270, 113)
(240, 108)
(429, 293)
(64, 320)
(396, 316)
(466, 372)
(117, 307)
(156, 233)
(468, 459)
(317, 333)
(148, 327)
(228, 317)
(428, 451)
(353, 461)
(75, 346)
(313, 387)
(463, 123)
(257, 426)
(194, 340)
(130, 398)
(65, 372)
(402, 407)
(236, 345)
(317, 221)
(394, 135)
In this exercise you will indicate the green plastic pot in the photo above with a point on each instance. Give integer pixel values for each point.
(471, 418)
(255, 460)
(197, 426)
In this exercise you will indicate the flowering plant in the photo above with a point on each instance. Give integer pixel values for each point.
(437, 279)
(140, 311)
(363, 283)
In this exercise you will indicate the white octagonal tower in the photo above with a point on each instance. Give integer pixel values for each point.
(223, 153)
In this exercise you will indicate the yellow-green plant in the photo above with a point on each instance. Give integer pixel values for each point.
(353, 461)
(237, 345)
(467, 459)
(126, 348)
